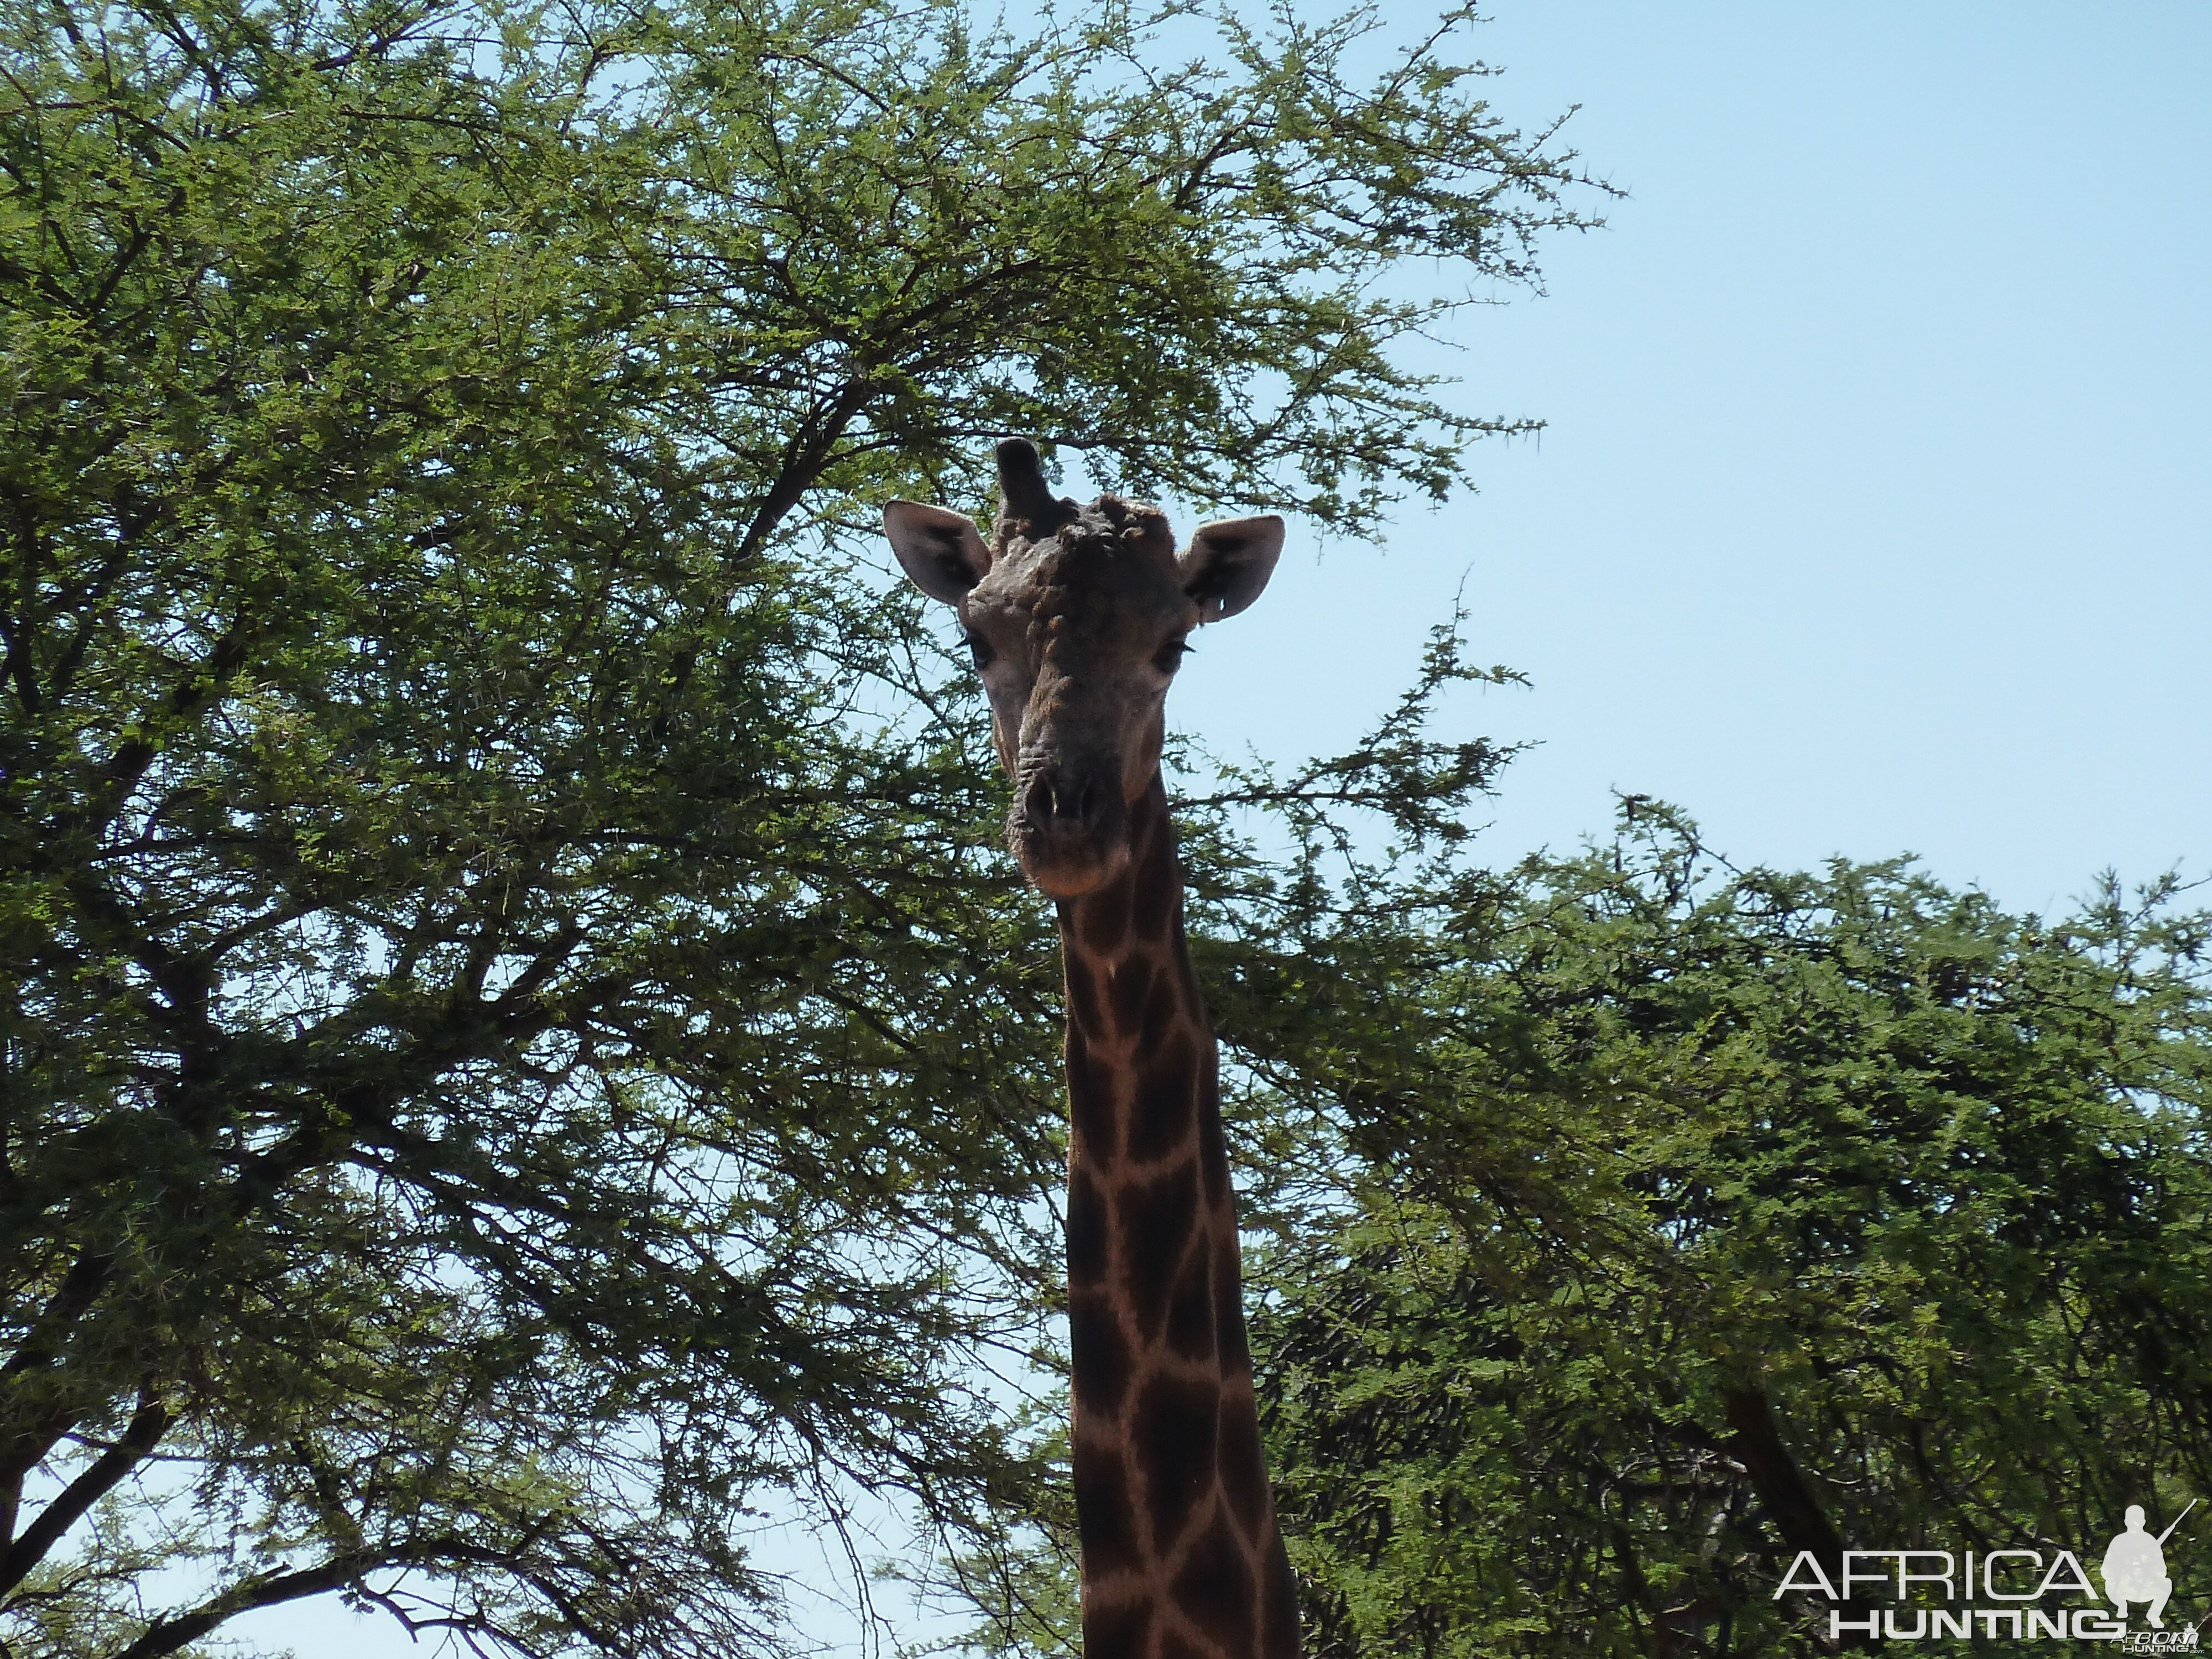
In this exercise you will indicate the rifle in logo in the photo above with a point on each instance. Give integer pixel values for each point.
(2179, 1519)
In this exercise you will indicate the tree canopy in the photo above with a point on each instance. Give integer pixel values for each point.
(514, 1040)
(1689, 1218)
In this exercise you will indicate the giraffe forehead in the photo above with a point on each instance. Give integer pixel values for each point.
(1080, 587)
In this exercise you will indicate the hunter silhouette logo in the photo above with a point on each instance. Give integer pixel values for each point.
(2135, 1567)
(2015, 1595)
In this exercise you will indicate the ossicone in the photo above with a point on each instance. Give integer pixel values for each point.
(1026, 500)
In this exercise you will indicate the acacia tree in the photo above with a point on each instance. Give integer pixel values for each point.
(508, 1050)
(1673, 1220)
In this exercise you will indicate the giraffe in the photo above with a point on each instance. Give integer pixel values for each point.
(1077, 617)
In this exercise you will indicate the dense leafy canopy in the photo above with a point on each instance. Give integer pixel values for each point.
(1691, 1217)
(514, 1043)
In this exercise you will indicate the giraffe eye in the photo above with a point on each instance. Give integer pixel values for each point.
(980, 648)
(1169, 655)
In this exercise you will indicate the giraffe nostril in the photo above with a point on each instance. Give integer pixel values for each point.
(1060, 801)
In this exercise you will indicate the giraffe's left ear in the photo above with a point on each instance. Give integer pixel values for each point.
(1229, 563)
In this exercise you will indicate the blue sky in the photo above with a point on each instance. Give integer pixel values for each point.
(1872, 515)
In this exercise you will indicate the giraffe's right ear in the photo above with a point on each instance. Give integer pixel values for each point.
(941, 551)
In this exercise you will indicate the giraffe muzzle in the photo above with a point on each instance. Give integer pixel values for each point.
(1069, 829)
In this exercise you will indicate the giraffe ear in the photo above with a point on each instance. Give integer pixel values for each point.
(941, 551)
(1228, 564)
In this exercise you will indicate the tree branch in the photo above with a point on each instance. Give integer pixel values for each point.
(1795, 1512)
(147, 1427)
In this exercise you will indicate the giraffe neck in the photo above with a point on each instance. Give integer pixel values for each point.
(1181, 1558)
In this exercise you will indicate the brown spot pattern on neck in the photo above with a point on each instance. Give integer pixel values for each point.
(1181, 1556)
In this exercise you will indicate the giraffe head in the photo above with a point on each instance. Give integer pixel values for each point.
(1077, 617)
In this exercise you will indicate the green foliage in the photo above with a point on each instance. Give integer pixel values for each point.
(1687, 1218)
(509, 1054)
(516, 1049)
